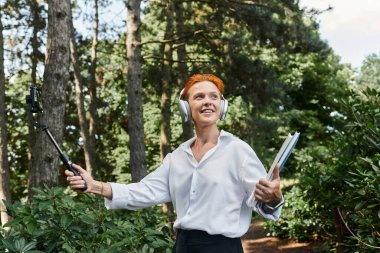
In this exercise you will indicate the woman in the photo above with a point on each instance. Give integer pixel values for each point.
(211, 179)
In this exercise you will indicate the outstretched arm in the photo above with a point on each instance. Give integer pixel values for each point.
(78, 182)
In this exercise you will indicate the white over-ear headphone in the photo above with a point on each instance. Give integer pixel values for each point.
(184, 108)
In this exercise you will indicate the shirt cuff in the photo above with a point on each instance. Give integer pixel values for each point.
(120, 196)
(270, 209)
(275, 215)
(258, 207)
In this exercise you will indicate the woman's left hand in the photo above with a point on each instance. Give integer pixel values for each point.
(269, 192)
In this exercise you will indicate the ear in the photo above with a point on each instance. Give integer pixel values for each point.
(184, 108)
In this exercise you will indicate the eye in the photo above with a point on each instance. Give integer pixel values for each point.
(198, 97)
(214, 96)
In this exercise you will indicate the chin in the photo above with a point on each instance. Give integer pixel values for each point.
(206, 122)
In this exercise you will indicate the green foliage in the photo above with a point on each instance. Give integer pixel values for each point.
(152, 136)
(308, 210)
(299, 219)
(18, 139)
(343, 173)
(265, 66)
(58, 221)
(370, 72)
(361, 159)
(279, 77)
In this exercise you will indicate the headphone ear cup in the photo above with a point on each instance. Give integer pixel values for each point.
(184, 108)
(223, 109)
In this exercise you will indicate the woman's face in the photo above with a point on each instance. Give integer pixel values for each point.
(204, 100)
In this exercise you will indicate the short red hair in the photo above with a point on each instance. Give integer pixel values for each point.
(202, 77)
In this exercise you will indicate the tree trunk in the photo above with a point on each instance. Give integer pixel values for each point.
(5, 192)
(166, 89)
(93, 117)
(88, 145)
(36, 23)
(45, 159)
(187, 127)
(134, 90)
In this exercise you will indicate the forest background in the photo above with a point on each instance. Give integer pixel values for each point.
(110, 101)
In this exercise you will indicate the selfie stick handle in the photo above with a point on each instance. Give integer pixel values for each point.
(64, 158)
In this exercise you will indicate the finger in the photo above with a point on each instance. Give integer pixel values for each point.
(78, 168)
(77, 185)
(261, 187)
(261, 193)
(74, 178)
(264, 182)
(259, 196)
(276, 172)
(263, 197)
(69, 173)
(76, 182)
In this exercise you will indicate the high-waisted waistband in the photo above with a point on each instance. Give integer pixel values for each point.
(198, 241)
(194, 236)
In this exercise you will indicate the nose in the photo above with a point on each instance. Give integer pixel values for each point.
(207, 100)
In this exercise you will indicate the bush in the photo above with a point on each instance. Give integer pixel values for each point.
(58, 220)
(359, 167)
(306, 215)
(343, 174)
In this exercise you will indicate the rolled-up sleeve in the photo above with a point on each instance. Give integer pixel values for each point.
(151, 190)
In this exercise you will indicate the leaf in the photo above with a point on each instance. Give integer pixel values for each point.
(353, 173)
(371, 140)
(29, 246)
(368, 160)
(66, 220)
(87, 219)
(372, 206)
(45, 204)
(350, 184)
(51, 246)
(31, 227)
(19, 244)
(145, 248)
(8, 245)
(359, 205)
(13, 222)
(375, 168)
(7, 206)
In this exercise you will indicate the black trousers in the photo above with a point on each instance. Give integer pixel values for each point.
(197, 241)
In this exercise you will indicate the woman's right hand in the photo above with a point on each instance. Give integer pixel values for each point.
(77, 183)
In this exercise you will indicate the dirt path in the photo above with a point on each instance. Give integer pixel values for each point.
(256, 241)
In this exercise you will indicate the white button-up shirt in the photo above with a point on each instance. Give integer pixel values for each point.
(214, 195)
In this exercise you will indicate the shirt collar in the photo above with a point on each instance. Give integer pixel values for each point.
(186, 146)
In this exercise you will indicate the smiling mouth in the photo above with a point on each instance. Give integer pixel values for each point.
(207, 111)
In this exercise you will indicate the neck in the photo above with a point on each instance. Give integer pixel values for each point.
(207, 135)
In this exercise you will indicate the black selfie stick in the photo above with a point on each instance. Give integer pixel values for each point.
(34, 107)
